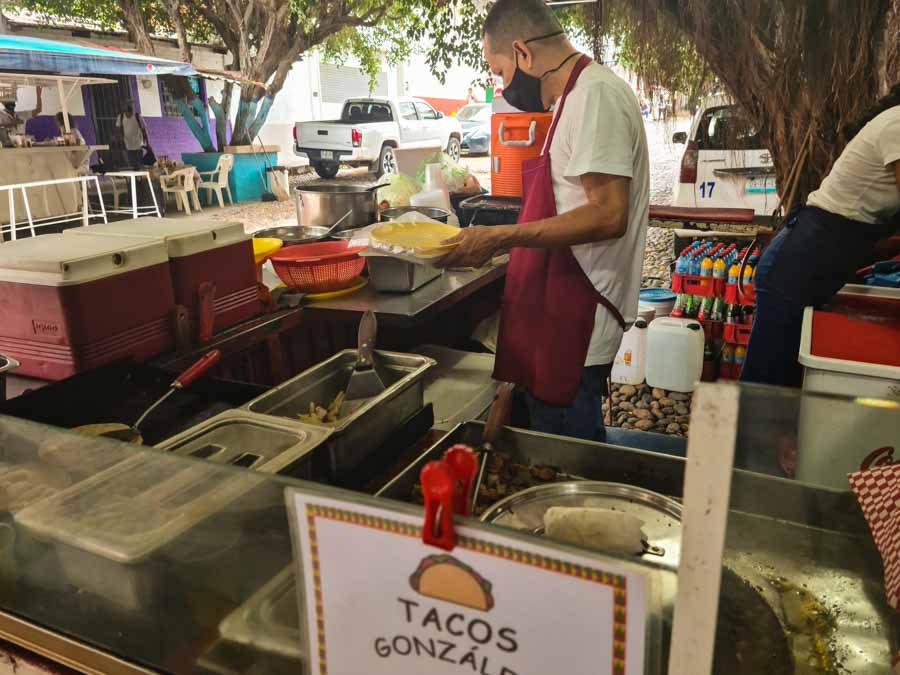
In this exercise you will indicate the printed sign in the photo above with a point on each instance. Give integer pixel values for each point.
(378, 601)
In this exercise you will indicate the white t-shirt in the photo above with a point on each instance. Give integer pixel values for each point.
(601, 131)
(131, 131)
(861, 185)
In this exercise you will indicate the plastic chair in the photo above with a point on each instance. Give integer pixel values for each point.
(217, 180)
(181, 184)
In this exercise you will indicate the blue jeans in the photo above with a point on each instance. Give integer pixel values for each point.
(584, 418)
(805, 265)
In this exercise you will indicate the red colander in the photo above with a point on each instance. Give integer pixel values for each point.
(319, 268)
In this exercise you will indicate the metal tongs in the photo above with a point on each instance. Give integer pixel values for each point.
(498, 417)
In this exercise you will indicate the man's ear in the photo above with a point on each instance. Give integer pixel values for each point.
(523, 54)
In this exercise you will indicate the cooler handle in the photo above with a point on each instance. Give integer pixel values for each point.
(532, 132)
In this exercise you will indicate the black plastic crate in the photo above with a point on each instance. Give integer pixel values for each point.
(490, 210)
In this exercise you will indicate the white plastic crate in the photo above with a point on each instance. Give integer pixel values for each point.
(836, 437)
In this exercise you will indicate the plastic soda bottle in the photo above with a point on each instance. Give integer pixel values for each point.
(718, 310)
(734, 271)
(750, 270)
(719, 268)
(740, 355)
(678, 309)
(727, 365)
(706, 266)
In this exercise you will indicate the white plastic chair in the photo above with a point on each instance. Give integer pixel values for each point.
(217, 180)
(181, 184)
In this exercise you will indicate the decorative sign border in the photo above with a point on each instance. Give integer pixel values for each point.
(616, 582)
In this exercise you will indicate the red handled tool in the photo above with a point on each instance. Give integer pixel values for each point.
(186, 379)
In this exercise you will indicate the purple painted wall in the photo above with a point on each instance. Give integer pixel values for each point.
(169, 136)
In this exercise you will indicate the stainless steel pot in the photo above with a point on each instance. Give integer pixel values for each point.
(6, 364)
(322, 205)
(442, 215)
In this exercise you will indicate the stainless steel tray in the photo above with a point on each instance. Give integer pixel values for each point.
(778, 531)
(358, 434)
(393, 275)
(269, 621)
(135, 507)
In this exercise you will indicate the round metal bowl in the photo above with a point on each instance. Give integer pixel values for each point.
(347, 234)
(442, 215)
(661, 515)
(294, 234)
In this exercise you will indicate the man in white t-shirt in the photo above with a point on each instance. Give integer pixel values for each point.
(599, 175)
(131, 131)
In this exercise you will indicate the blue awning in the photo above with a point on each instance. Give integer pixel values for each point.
(38, 55)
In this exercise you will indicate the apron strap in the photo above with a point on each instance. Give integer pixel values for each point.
(617, 315)
(580, 65)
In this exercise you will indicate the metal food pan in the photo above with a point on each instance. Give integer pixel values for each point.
(779, 532)
(360, 433)
(393, 275)
(7, 363)
(270, 620)
(585, 459)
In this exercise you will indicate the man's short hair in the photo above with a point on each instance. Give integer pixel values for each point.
(510, 20)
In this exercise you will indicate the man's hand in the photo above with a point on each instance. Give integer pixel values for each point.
(477, 245)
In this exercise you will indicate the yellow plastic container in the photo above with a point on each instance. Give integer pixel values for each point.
(265, 247)
(416, 238)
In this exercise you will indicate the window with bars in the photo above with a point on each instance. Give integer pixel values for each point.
(167, 96)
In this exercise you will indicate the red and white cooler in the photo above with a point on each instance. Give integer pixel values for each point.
(212, 265)
(851, 348)
(71, 304)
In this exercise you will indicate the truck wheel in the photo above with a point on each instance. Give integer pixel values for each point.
(326, 170)
(387, 162)
(453, 148)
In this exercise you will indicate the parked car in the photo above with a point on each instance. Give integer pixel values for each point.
(369, 131)
(476, 127)
(725, 164)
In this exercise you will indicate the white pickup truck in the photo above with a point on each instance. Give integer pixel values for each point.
(370, 129)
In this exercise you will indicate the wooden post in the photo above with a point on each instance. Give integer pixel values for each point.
(707, 490)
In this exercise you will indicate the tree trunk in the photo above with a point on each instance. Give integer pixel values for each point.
(173, 9)
(136, 26)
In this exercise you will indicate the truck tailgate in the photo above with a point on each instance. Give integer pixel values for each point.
(324, 135)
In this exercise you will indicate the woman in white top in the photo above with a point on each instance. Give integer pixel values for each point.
(825, 241)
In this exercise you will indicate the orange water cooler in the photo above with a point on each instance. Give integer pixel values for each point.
(515, 137)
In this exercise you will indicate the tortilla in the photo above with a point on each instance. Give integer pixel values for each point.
(445, 578)
(427, 237)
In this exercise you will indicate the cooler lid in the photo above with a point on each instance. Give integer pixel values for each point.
(652, 295)
(183, 236)
(58, 260)
(857, 332)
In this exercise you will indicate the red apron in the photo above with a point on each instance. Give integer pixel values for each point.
(549, 304)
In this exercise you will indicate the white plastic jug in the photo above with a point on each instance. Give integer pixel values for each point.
(630, 364)
(674, 353)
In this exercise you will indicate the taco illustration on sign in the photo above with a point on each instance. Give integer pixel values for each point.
(446, 578)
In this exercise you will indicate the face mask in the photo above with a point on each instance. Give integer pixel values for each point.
(524, 90)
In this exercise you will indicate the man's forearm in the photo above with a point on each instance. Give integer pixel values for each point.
(584, 225)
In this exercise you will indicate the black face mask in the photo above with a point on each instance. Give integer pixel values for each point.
(524, 90)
